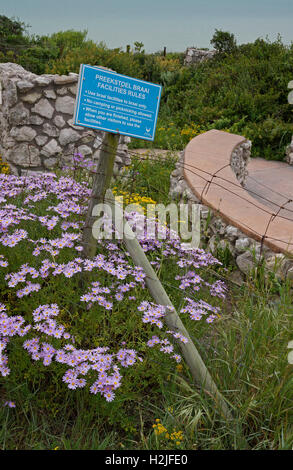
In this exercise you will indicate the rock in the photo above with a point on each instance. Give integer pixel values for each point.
(68, 136)
(290, 273)
(218, 226)
(68, 154)
(118, 160)
(290, 158)
(24, 133)
(246, 262)
(31, 97)
(178, 190)
(10, 95)
(50, 94)
(226, 245)
(65, 104)
(32, 173)
(13, 169)
(96, 155)
(43, 80)
(260, 248)
(18, 115)
(24, 155)
(78, 128)
(44, 108)
(35, 120)
(236, 277)
(59, 121)
(50, 130)
(24, 85)
(9, 142)
(51, 148)
(98, 140)
(115, 170)
(84, 150)
(62, 91)
(50, 162)
(246, 145)
(188, 194)
(231, 233)
(41, 140)
(242, 244)
(212, 244)
(194, 56)
(65, 79)
(177, 172)
(73, 89)
(277, 263)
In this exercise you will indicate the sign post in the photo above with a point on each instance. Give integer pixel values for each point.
(118, 105)
(101, 183)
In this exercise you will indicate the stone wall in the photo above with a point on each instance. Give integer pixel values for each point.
(36, 125)
(220, 235)
(289, 153)
(194, 56)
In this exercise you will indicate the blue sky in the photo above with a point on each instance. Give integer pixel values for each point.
(175, 24)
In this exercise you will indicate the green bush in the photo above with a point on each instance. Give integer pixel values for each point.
(243, 89)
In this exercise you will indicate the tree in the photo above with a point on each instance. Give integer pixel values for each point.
(12, 34)
(224, 42)
(69, 40)
(138, 47)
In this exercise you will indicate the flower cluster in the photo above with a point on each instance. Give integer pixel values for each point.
(199, 309)
(153, 312)
(9, 326)
(41, 218)
(165, 346)
(161, 431)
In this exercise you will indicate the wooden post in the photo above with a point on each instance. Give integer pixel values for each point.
(101, 183)
(172, 319)
(191, 355)
(165, 51)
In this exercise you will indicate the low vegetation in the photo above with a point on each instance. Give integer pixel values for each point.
(45, 303)
(243, 89)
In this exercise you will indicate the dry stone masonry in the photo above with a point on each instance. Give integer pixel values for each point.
(219, 234)
(289, 153)
(36, 126)
(194, 56)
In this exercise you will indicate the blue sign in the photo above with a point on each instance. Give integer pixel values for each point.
(116, 103)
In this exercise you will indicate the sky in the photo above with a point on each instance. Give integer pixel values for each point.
(176, 24)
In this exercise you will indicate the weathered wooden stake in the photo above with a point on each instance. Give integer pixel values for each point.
(101, 183)
(172, 319)
(192, 357)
